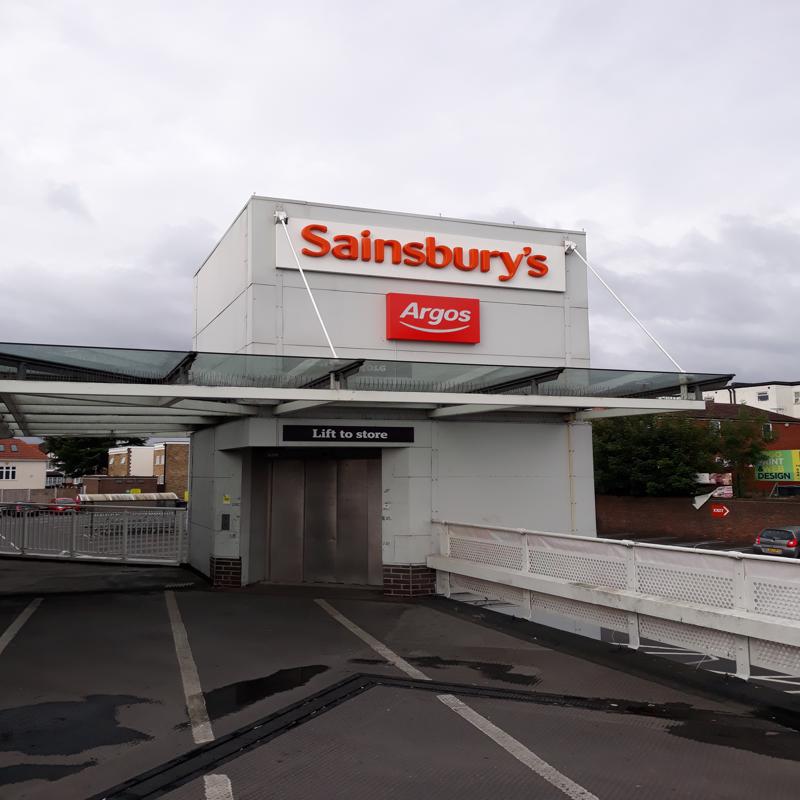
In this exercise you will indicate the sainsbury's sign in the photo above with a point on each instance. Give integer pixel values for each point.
(417, 317)
(326, 246)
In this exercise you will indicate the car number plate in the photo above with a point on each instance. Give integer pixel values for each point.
(773, 549)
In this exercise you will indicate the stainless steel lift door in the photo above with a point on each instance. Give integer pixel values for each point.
(325, 521)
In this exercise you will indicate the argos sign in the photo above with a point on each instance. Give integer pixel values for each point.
(418, 255)
(420, 317)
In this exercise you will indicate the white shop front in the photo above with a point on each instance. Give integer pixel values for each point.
(416, 369)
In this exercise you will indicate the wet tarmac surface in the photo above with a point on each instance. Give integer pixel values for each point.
(92, 705)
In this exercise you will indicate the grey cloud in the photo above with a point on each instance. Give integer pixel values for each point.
(718, 304)
(67, 197)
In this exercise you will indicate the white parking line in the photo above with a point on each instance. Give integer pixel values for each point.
(13, 629)
(511, 745)
(379, 647)
(217, 787)
(195, 701)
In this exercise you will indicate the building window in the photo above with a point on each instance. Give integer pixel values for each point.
(8, 472)
(797, 398)
(122, 459)
(14, 448)
(763, 397)
(2, 448)
(715, 425)
(766, 429)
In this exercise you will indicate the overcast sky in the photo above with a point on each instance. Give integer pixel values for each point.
(133, 132)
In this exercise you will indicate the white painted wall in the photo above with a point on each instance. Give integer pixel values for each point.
(244, 303)
(780, 399)
(510, 473)
(30, 475)
(215, 489)
(534, 473)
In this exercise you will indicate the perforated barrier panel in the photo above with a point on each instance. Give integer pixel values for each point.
(495, 554)
(488, 589)
(774, 655)
(777, 598)
(691, 586)
(599, 615)
(690, 637)
(564, 575)
(574, 567)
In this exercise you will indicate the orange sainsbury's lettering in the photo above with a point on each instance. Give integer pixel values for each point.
(430, 253)
(308, 234)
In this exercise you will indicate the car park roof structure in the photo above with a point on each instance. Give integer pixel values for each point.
(61, 390)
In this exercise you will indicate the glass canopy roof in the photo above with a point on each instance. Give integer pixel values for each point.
(33, 362)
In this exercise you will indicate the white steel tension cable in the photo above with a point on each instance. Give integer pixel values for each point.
(281, 217)
(571, 247)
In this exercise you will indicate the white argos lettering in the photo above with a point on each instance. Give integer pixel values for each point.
(435, 316)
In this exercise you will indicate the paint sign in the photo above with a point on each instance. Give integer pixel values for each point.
(376, 251)
(420, 317)
(779, 466)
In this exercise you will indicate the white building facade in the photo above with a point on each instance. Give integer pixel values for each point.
(284, 497)
(782, 397)
(23, 466)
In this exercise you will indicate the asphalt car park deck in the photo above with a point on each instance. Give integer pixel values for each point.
(359, 696)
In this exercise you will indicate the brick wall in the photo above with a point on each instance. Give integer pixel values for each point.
(116, 467)
(226, 573)
(408, 580)
(37, 495)
(176, 468)
(675, 516)
(109, 484)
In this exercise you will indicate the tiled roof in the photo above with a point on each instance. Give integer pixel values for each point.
(24, 452)
(723, 411)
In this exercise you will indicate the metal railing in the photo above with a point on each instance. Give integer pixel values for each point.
(727, 605)
(136, 535)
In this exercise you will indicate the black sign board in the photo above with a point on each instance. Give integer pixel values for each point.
(351, 434)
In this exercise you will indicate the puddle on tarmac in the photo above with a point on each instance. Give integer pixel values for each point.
(20, 773)
(489, 670)
(235, 696)
(67, 727)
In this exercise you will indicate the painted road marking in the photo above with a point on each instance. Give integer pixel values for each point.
(378, 647)
(195, 701)
(511, 745)
(515, 748)
(13, 629)
(218, 787)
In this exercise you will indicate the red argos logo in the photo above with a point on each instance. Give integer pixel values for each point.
(419, 317)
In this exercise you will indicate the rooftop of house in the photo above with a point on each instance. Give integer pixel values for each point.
(19, 450)
(723, 411)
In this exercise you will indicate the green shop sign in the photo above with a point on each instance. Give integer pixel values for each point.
(780, 465)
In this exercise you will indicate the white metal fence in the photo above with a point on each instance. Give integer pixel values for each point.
(728, 605)
(144, 535)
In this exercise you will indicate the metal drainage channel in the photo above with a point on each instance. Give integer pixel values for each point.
(201, 760)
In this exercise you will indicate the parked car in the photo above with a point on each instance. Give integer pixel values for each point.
(19, 509)
(783, 541)
(64, 505)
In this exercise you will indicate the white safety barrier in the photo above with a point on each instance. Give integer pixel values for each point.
(138, 535)
(728, 605)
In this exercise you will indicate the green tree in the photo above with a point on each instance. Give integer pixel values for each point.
(651, 456)
(83, 455)
(741, 444)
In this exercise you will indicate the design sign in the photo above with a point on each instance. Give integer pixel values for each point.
(421, 317)
(350, 434)
(328, 246)
(779, 466)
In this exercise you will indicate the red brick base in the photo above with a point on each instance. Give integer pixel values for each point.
(408, 580)
(226, 572)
